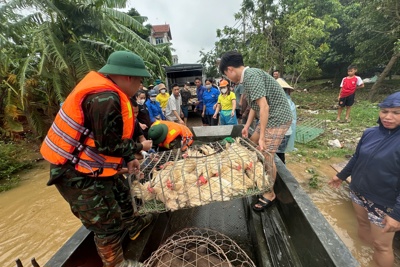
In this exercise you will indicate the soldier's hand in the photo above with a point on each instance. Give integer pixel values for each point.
(122, 171)
(147, 144)
(133, 166)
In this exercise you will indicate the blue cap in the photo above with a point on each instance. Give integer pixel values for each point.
(392, 101)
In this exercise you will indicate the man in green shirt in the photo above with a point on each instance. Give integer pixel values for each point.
(266, 97)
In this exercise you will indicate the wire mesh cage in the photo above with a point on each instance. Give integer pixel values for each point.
(217, 171)
(199, 247)
(308, 129)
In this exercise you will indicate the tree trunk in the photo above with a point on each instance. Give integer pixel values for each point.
(377, 84)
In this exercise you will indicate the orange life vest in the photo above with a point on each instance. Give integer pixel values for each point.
(175, 130)
(69, 140)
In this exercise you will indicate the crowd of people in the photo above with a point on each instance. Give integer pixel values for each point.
(218, 103)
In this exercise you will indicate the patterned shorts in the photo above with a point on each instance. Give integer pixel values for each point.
(274, 136)
(376, 212)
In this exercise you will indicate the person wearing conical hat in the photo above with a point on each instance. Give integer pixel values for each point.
(287, 144)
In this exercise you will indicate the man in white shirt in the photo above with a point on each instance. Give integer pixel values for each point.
(173, 111)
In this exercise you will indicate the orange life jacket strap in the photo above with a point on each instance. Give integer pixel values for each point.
(66, 137)
(76, 126)
(75, 143)
(84, 163)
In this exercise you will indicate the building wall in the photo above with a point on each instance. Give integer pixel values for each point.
(174, 59)
(159, 40)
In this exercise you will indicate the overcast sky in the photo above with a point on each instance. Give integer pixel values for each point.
(193, 22)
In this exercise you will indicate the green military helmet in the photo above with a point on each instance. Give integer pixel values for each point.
(158, 133)
(125, 63)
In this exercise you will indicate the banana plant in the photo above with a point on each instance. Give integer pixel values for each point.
(59, 42)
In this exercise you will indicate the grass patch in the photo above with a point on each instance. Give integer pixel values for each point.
(320, 102)
(14, 158)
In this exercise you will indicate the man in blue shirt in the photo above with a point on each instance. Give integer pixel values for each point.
(199, 104)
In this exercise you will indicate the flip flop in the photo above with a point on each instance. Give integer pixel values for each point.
(264, 203)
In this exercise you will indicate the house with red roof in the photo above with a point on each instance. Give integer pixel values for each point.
(160, 34)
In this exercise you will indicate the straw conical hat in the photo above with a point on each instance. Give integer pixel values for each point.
(284, 84)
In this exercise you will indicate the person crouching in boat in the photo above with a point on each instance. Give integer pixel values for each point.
(169, 135)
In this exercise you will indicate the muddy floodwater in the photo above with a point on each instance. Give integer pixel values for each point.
(334, 204)
(36, 220)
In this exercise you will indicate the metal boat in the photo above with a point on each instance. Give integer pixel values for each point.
(291, 233)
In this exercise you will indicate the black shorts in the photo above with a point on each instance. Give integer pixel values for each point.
(347, 101)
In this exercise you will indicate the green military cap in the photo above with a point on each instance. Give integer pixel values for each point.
(125, 63)
(158, 133)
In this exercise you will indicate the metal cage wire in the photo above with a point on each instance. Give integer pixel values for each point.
(217, 171)
(199, 247)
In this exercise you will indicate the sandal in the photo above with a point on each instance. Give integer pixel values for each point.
(264, 203)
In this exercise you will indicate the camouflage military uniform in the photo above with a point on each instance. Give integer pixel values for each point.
(102, 204)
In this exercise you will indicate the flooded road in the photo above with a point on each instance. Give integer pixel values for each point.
(35, 220)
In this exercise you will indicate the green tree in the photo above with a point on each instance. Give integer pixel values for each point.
(145, 34)
(306, 41)
(49, 50)
(209, 61)
(376, 36)
(288, 35)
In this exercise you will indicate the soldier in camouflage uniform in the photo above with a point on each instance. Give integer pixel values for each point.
(103, 204)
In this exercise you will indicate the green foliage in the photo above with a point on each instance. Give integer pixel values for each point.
(208, 60)
(11, 161)
(376, 32)
(46, 53)
(313, 181)
(310, 38)
(287, 35)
